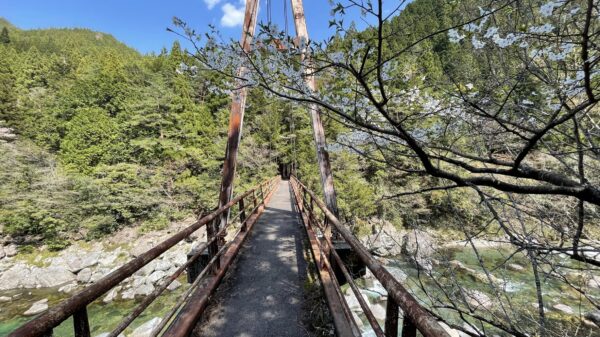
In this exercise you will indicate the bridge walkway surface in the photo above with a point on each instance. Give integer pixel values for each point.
(263, 293)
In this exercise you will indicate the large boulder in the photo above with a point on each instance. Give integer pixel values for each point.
(386, 239)
(84, 275)
(145, 330)
(53, 276)
(419, 247)
(14, 277)
(10, 250)
(37, 308)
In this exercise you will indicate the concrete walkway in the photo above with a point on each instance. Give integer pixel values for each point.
(263, 294)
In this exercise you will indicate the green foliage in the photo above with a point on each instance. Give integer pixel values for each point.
(4, 37)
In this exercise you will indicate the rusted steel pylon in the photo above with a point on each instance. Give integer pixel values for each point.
(234, 135)
(237, 116)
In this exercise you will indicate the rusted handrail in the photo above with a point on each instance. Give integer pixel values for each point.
(415, 316)
(76, 305)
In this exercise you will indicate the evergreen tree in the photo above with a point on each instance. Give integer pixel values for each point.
(4, 37)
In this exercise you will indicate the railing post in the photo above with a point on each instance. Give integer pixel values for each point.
(81, 325)
(254, 198)
(409, 329)
(242, 214)
(391, 319)
(213, 248)
(262, 194)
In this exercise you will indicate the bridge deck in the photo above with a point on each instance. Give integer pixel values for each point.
(263, 295)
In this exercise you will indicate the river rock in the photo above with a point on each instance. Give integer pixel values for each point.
(474, 274)
(378, 311)
(563, 308)
(386, 241)
(593, 316)
(174, 285)
(144, 290)
(449, 330)
(515, 267)
(4, 299)
(106, 334)
(128, 294)
(419, 246)
(478, 300)
(156, 276)
(145, 330)
(352, 301)
(14, 277)
(594, 282)
(111, 295)
(84, 275)
(2, 253)
(162, 265)
(53, 276)
(67, 289)
(37, 307)
(397, 273)
(10, 250)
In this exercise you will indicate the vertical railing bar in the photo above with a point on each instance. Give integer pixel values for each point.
(81, 324)
(242, 214)
(409, 329)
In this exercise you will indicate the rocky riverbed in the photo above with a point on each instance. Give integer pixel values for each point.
(30, 283)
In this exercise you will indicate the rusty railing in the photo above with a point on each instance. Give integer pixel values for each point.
(76, 305)
(315, 214)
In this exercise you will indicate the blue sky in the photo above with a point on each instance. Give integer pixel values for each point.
(142, 23)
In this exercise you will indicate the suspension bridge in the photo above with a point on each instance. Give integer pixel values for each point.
(271, 221)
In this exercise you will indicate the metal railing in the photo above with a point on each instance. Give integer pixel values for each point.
(315, 214)
(76, 305)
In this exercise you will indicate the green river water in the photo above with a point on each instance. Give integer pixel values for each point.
(520, 291)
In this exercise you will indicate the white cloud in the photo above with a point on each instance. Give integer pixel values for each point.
(211, 3)
(232, 15)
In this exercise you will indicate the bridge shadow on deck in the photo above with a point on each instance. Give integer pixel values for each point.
(263, 293)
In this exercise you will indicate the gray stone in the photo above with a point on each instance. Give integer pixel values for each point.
(478, 300)
(4, 299)
(353, 302)
(563, 308)
(54, 276)
(2, 253)
(106, 334)
(593, 316)
(10, 250)
(174, 285)
(397, 273)
(128, 294)
(144, 289)
(449, 330)
(37, 307)
(162, 265)
(84, 275)
(111, 295)
(594, 282)
(386, 241)
(98, 274)
(68, 288)
(515, 267)
(419, 247)
(145, 330)
(14, 276)
(156, 276)
(378, 311)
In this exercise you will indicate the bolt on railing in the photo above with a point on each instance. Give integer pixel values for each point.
(76, 305)
(415, 316)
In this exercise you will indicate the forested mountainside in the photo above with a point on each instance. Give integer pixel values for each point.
(107, 137)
